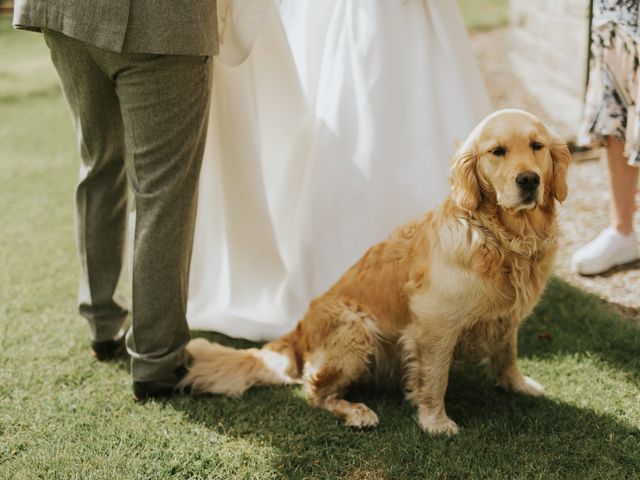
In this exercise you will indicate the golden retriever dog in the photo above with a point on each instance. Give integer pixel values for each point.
(455, 283)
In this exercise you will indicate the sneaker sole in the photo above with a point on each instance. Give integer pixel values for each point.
(618, 263)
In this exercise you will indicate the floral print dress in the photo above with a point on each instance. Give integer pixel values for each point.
(612, 105)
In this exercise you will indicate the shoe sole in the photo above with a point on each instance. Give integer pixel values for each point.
(600, 272)
(107, 357)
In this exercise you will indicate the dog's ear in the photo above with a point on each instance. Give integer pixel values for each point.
(561, 158)
(464, 180)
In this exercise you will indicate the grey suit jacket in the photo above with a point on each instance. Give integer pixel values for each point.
(169, 27)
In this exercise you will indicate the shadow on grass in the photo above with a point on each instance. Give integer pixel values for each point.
(502, 435)
(569, 321)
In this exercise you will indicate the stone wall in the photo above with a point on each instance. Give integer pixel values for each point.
(550, 55)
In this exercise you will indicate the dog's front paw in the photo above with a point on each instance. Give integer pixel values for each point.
(437, 424)
(524, 385)
(530, 387)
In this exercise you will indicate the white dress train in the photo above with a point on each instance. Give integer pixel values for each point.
(338, 127)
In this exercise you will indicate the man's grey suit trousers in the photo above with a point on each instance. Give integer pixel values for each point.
(141, 123)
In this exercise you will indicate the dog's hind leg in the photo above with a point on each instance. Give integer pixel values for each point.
(343, 358)
(356, 415)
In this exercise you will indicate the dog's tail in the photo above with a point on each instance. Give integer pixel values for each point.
(228, 371)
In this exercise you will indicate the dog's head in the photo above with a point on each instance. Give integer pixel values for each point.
(512, 160)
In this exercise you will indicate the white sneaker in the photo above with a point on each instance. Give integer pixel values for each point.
(607, 250)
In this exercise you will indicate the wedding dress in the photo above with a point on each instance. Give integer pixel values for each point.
(338, 127)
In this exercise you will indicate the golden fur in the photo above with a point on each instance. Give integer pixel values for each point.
(456, 282)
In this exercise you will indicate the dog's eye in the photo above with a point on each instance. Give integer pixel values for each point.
(536, 146)
(499, 151)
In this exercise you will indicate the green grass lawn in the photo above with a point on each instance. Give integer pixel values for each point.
(484, 14)
(64, 415)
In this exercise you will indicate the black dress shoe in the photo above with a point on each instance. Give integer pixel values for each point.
(108, 349)
(160, 389)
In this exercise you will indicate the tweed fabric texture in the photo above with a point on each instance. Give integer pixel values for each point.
(167, 27)
(141, 123)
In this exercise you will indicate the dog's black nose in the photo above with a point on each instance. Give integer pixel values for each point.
(528, 181)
